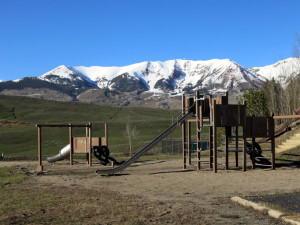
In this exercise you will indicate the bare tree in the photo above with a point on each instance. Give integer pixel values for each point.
(296, 53)
(131, 133)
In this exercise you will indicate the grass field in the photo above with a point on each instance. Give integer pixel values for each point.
(19, 115)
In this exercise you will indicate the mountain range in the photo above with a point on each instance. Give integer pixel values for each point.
(152, 84)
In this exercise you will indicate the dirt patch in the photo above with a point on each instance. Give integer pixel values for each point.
(199, 197)
(7, 123)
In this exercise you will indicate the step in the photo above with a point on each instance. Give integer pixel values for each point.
(294, 139)
(289, 145)
(282, 149)
(297, 141)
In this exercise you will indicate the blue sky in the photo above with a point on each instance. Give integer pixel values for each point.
(38, 35)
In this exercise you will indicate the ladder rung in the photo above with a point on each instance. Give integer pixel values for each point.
(258, 164)
(260, 157)
(236, 137)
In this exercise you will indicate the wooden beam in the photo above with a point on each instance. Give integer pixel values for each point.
(62, 125)
(195, 120)
(287, 117)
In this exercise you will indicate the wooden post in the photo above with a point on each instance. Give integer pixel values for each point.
(183, 133)
(90, 144)
(211, 143)
(253, 152)
(40, 163)
(106, 133)
(215, 160)
(272, 132)
(198, 130)
(236, 146)
(189, 143)
(71, 144)
(244, 143)
(227, 132)
(86, 143)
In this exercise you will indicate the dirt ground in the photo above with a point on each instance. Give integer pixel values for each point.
(166, 181)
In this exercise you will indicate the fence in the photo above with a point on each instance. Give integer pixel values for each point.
(174, 146)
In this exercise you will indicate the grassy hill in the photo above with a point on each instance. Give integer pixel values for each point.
(19, 115)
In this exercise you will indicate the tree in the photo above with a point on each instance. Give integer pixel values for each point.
(131, 133)
(275, 95)
(256, 102)
(296, 53)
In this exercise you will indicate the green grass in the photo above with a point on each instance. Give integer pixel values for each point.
(9, 175)
(21, 139)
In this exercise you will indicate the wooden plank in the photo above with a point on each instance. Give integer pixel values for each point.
(287, 117)
(61, 125)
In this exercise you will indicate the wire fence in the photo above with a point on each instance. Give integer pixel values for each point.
(174, 146)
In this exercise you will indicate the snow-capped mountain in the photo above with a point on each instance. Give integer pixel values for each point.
(148, 84)
(158, 77)
(280, 71)
(64, 75)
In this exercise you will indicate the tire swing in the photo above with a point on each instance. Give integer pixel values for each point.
(102, 154)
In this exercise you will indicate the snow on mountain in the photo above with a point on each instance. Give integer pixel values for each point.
(172, 76)
(67, 76)
(280, 71)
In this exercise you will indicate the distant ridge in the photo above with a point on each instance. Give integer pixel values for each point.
(150, 84)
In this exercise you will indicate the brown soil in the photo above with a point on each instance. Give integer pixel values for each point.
(180, 191)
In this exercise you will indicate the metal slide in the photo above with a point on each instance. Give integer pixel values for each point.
(63, 154)
(146, 148)
(280, 131)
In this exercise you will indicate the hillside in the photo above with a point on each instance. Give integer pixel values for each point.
(18, 116)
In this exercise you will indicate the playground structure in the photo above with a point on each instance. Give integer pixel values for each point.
(77, 145)
(210, 112)
(215, 113)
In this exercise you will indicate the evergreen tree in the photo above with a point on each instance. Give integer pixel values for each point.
(256, 102)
